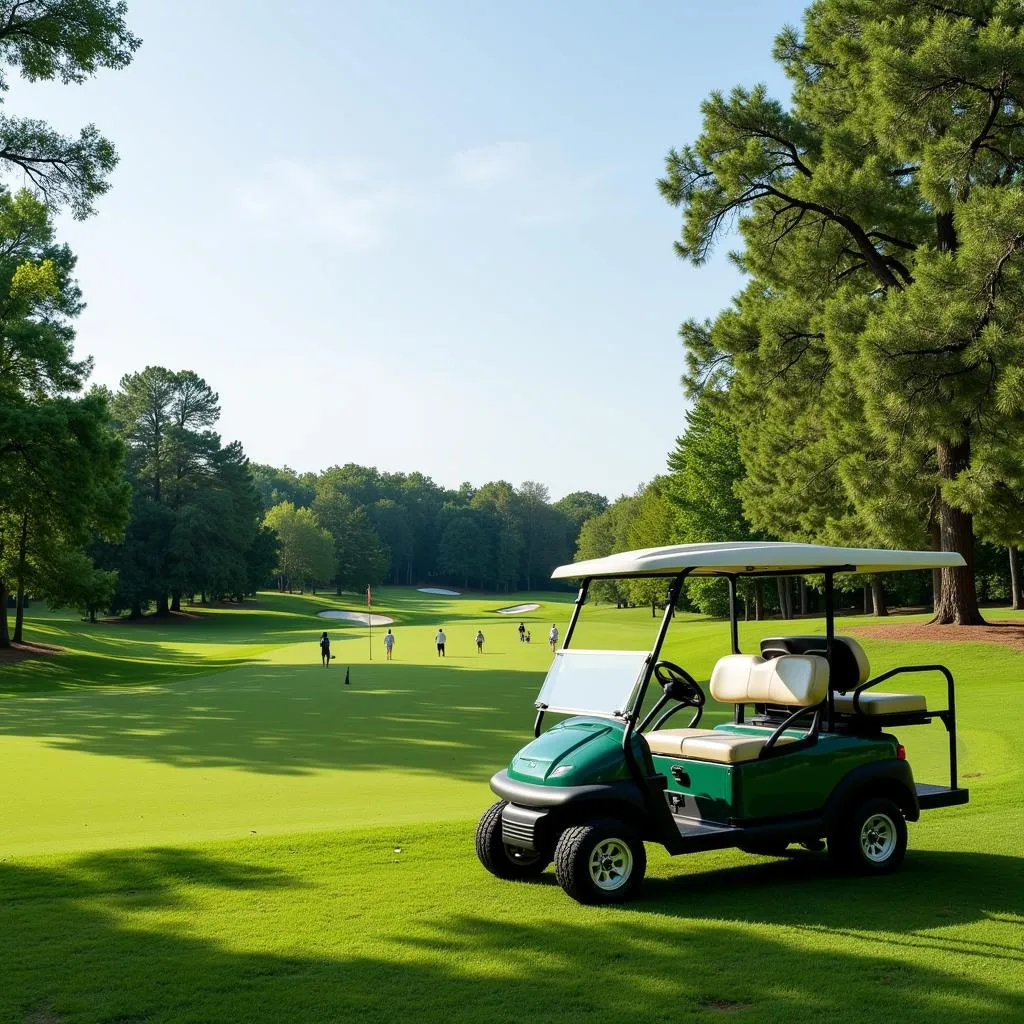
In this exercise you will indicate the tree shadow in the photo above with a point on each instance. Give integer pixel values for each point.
(934, 889)
(284, 719)
(94, 941)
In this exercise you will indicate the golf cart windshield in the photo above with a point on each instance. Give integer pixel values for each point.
(592, 682)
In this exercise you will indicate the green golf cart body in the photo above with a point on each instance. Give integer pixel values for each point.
(808, 757)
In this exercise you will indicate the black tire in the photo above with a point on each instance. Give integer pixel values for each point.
(509, 862)
(620, 873)
(871, 840)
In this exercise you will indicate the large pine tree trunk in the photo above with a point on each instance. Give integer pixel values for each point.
(175, 602)
(936, 573)
(5, 635)
(780, 584)
(19, 614)
(19, 604)
(957, 603)
(162, 607)
(866, 593)
(803, 596)
(1014, 584)
(879, 605)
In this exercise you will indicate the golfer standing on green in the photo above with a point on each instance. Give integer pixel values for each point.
(440, 640)
(325, 650)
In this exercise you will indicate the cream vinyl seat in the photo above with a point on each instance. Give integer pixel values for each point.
(850, 669)
(796, 680)
(874, 704)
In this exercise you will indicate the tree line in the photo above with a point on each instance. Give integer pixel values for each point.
(353, 525)
(707, 494)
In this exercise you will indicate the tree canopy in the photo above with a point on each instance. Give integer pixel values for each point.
(879, 223)
(66, 41)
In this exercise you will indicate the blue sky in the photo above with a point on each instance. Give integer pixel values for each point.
(419, 236)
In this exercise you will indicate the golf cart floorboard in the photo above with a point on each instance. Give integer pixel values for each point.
(706, 835)
(929, 796)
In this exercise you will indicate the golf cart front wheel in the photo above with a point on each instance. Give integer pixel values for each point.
(512, 863)
(602, 862)
(872, 840)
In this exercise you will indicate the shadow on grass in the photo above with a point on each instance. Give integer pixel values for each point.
(932, 890)
(96, 942)
(288, 720)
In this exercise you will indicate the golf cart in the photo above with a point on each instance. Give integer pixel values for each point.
(808, 756)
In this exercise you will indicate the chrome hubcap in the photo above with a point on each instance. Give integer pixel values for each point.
(878, 838)
(611, 864)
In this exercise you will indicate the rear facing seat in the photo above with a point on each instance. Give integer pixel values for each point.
(850, 668)
(793, 680)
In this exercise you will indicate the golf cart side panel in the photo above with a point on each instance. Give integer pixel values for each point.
(892, 778)
(802, 782)
(706, 790)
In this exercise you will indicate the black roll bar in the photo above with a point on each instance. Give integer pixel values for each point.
(770, 749)
(947, 716)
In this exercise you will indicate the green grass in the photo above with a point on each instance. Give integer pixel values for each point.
(200, 823)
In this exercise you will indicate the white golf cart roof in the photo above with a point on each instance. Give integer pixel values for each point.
(755, 556)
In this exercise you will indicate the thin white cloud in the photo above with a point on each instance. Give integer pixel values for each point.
(493, 165)
(342, 203)
(356, 205)
(526, 183)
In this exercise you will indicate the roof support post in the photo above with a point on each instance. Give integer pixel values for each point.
(581, 598)
(638, 700)
(734, 627)
(830, 633)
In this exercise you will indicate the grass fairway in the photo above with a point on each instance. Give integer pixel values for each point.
(200, 823)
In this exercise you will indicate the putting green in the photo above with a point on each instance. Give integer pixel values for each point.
(137, 767)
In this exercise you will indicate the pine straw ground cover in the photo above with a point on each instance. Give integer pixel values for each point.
(241, 845)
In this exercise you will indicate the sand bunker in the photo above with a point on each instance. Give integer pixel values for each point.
(517, 609)
(439, 591)
(363, 618)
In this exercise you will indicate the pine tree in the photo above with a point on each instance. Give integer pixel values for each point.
(885, 206)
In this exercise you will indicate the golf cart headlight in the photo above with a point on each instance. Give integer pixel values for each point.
(562, 769)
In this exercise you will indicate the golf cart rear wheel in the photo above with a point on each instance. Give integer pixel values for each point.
(509, 862)
(872, 840)
(602, 862)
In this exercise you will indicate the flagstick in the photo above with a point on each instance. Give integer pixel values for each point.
(369, 619)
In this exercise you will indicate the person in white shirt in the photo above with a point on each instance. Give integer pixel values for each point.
(553, 636)
(440, 640)
(389, 642)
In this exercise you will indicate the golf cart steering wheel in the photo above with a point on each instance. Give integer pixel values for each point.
(679, 685)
